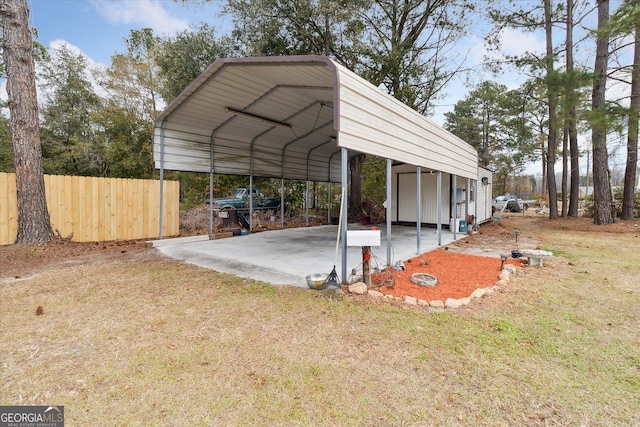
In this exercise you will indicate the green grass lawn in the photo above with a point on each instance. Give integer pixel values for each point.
(143, 340)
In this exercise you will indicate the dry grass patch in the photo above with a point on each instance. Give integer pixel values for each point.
(142, 340)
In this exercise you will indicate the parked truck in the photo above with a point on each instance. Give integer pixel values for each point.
(509, 203)
(239, 201)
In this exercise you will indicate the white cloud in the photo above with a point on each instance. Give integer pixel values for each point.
(514, 42)
(147, 13)
(56, 44)
(476, 48)
(90, 74)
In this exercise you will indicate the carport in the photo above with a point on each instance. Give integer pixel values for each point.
(302, 117)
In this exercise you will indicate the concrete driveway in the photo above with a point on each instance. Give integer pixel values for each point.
(286, 257)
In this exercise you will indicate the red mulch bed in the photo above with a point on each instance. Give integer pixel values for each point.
(458, 275)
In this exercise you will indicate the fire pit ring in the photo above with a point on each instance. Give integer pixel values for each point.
(424, 279)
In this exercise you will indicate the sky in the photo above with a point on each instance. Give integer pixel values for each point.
(97, 28)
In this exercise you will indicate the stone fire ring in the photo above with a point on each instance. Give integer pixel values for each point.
(424, 279)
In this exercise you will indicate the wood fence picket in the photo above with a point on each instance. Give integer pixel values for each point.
(97, 209)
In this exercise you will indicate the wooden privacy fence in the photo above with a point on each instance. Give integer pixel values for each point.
(97, 209)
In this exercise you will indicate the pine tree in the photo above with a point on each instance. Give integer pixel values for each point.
(34, 224)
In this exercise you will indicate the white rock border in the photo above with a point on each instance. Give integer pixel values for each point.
(504, 279)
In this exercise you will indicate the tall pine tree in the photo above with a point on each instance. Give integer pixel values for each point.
(34, 223)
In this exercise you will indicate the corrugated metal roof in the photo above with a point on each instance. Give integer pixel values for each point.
(289, 116)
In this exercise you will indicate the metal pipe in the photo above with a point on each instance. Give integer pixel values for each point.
(418, 206)
(211, 195)
(329, 197)
(161, 221)
(466, 200)
(329, 191)
(306, 204)
(439, 197)
(345, 213)
(475, 193)
(455, 204)
(388, 211)
(211, 176)
(282, 201)
(257, 118)
(251, 201)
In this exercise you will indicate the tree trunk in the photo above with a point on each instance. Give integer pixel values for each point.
(34, 224)
(601, 192)
(565, 167)
(544, 188)
(355, 198)
(553, 107)
(632, 138)
(574, 192)
(574, 189)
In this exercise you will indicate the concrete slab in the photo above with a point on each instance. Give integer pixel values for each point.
(286, 257)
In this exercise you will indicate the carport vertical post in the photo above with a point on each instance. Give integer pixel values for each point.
(282, 202)
(466, 199)
(251, 197)
(160, 221)
(329, 198)
(306, 204)
(329, 193)
(455, 204)
(418, 205)
(211, 200)
(439, 197)
(345, 213)
(475, 191)
(211, 186)
(388, 213)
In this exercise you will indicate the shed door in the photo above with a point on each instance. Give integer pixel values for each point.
(429, 198)
(407, 197)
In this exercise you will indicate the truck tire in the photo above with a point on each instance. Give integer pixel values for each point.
(243, 221)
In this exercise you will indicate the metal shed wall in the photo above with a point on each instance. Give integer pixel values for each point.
(403, 207)
(404, 180)
(484, 197)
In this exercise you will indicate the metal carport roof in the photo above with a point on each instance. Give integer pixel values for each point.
(289, 116)
(298, 117)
